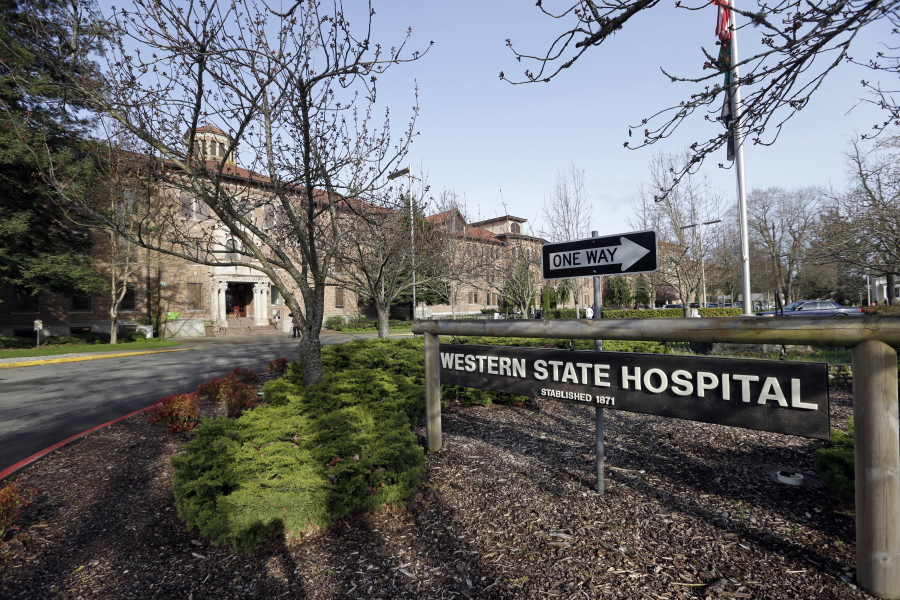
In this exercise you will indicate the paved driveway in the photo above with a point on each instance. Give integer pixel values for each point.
(43, 405)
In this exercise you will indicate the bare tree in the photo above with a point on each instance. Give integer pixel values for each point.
(783, 221)
(519, 268)
(859, 230)
(296, 93)
(468, 261)
(566, 215)
(125, 202)
(691, 201)
(378, 254)
(801, 45)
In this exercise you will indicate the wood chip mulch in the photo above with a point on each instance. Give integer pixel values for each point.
(507, 510)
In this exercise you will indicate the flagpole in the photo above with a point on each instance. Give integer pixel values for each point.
(738, 112)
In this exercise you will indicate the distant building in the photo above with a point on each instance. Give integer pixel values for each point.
(188, 299)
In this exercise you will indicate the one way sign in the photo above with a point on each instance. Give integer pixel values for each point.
(609, 255)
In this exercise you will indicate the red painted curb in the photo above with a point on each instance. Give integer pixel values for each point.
(27, 461)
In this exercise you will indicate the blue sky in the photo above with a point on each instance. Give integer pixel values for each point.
(500, 146)
(480, 135)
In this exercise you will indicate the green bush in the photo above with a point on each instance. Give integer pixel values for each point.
(76, 339)
(561, 313)
(310, 455)
(608, 345)
(721, 312)
(834, 461)
(10, 343)
(649, 313)
(403, 356)
(335, 323)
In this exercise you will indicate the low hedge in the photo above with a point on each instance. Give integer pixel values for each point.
(311, 455)
(358, 323)
(564, 344)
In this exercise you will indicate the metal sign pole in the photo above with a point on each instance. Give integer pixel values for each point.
(599, 416)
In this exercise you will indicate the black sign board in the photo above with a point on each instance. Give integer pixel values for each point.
(776, 396)
(608, 255)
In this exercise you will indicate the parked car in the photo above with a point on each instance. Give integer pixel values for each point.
(814, 308)
(673, 305)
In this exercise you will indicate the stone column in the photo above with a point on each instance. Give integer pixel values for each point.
(222, 316)
(214, 300)
(260, 303)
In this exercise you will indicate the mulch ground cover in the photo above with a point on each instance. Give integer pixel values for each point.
(506, 510)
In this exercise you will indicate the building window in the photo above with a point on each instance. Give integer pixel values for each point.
(26, 302)
(221, 149)
(195, 296)
(338, 298)
(515, 228)
(128, 300)
(79, 303)
(277, 300)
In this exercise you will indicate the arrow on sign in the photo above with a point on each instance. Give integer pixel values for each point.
(626, 254)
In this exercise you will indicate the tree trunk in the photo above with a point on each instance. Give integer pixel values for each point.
(890, 292)
(311, 356)
(310, 330)
(383, 314)
(113, 328)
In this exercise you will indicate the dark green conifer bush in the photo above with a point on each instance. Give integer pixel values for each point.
(309, 456)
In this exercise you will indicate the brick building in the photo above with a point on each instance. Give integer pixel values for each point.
(187, 299)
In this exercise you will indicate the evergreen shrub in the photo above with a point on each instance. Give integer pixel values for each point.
(76, 340)
(834, 461)
(721, 312)
(335, 323)
(608, 345)
(561, 313)
(649, 313)
(10, 343)
(310, 455)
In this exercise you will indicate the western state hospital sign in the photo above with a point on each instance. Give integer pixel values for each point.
(778, 396)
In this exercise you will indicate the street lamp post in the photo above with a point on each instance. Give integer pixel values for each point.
(412, 235)
(699, 227)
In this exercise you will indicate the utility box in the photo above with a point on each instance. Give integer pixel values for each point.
(147, 329)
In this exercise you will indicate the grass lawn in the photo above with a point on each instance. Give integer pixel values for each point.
(54, 350)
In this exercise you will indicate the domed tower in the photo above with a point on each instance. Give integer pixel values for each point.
(211, 143)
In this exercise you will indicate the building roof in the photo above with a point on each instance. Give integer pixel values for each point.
(210, 129)
(498, 219)
(479, 233)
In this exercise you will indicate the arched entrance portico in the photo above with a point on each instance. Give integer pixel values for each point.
(240, 297)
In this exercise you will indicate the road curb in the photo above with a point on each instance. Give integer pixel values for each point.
(38, 455)
(37, 362)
